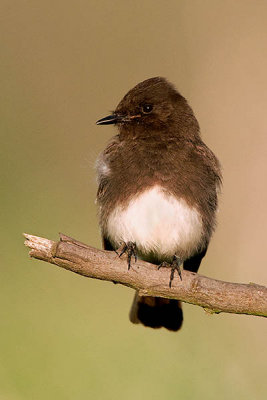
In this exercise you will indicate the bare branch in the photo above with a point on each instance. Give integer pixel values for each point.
(213, 295)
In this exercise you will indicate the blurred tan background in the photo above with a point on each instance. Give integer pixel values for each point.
(65, 64)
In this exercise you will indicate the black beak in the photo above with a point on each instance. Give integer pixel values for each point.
(110, 119)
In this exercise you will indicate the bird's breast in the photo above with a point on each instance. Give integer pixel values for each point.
(158, 223)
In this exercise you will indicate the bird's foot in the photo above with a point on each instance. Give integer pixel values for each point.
(130, 249)
(175, 266)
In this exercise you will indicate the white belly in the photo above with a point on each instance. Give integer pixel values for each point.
(158, 223)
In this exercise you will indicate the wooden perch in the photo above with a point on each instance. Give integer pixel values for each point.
(213, 295)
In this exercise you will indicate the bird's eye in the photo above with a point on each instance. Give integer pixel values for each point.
(147, 108)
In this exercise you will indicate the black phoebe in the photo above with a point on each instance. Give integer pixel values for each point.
(157, 194)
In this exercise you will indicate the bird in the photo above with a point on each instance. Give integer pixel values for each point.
(158, 187)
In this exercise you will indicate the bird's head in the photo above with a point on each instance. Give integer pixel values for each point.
(152, 105)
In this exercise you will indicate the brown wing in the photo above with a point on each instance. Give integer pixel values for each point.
(106, 244)
(192, 264)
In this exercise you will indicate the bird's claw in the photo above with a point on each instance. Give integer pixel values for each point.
(130, 249)
(175, 266)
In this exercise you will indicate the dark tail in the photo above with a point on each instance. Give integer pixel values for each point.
(157, 312)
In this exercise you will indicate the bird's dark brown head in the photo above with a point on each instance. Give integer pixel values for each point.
(153, 105)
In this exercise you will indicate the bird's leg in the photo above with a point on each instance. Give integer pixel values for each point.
(130, 249)
(175, 266)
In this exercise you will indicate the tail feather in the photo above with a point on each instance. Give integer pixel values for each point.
(157, 312)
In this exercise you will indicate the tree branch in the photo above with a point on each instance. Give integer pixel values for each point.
(213, 295)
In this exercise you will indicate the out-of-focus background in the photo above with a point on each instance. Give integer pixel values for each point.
(65, 64)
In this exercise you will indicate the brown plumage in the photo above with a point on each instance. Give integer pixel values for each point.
(158, 153)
